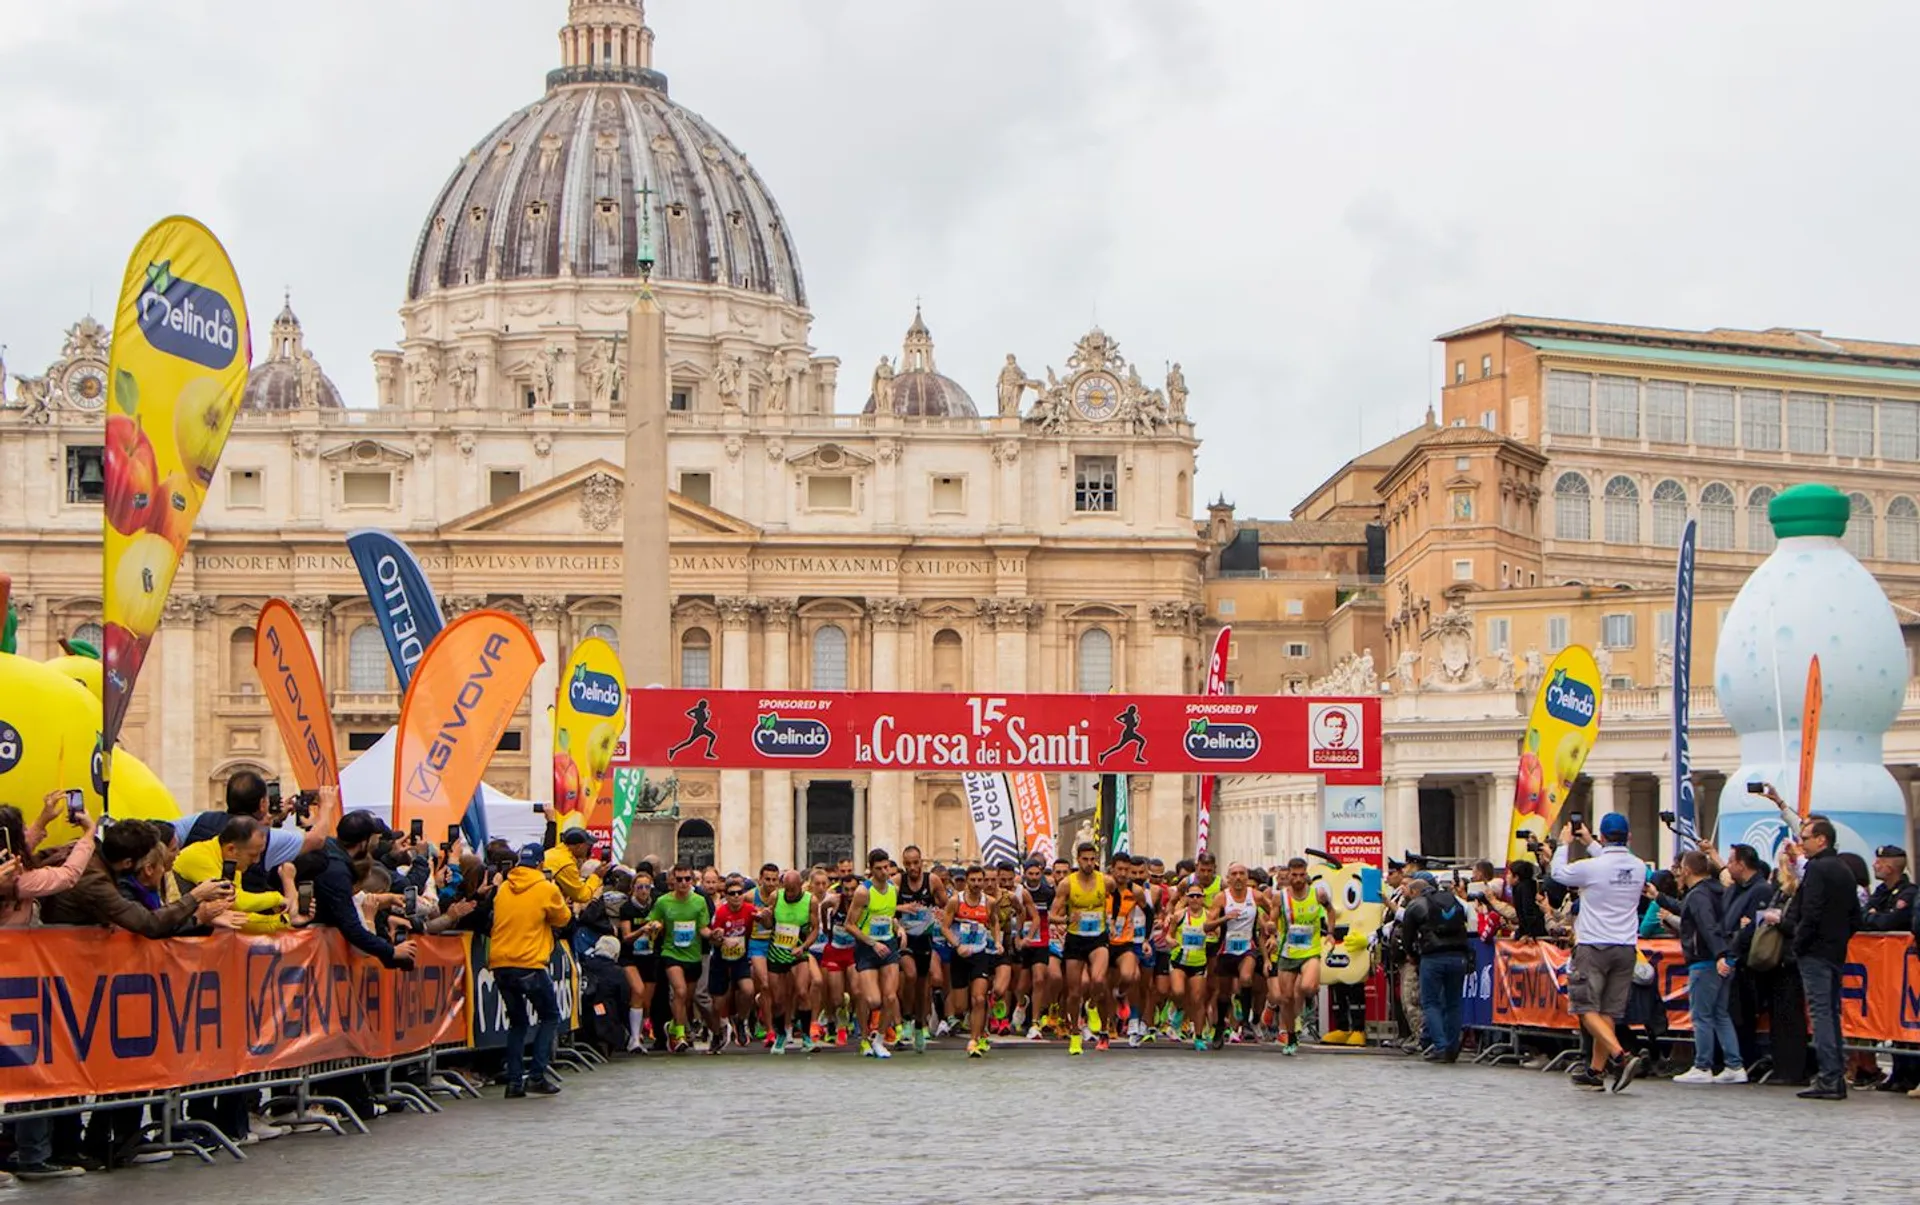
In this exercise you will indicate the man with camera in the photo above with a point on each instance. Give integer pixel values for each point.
(1611, 880)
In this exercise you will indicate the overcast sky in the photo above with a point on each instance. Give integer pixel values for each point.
(1291, 199)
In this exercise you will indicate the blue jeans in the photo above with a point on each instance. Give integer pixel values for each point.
(1710, 998)
(1442, 978)
(1822, 982)
(518, 988)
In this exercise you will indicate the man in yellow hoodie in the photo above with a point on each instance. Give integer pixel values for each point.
(564, 862)
(526, 910)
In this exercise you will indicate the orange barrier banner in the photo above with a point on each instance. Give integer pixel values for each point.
(87, 1011)
(1879, 986)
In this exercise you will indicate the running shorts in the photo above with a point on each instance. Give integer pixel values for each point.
(1078, 949)
(866, 958)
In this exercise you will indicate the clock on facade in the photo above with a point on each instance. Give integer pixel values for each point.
(1096, 396)
(85, 386)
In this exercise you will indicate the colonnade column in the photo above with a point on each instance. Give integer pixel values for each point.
(733, 839)
(1499, 818)
(174, 733)
(889, 617)
(777, 810)
(1403, 815)
(544, 613)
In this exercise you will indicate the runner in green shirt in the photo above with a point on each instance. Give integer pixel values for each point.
(681, 922)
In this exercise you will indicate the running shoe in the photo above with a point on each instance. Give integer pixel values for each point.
(779, 1044)
(892, 1034)
(1199, 1043)
(1100, 1043)
(1356, 1037)
(919, 1039)
(815, 1033)
(1233, 1037)
(1033, 1033)
(1073, 1045)
(1620, 1071)
(636, 1044)
(1093, 1018)
(679, 1046)
(1584, 1076)
(840, 1035)
(1292, 1046)
(1133, 1041)
(944, 1029)
(718, 1041)
(1337, 1037)
(879, 1048)
(808, 1045)
(974, 1051)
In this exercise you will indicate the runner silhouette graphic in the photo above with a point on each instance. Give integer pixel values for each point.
(699, 714)
(1129, 721)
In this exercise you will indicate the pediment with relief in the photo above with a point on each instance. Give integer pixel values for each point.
(366, 453)
(831, 458)
(587, 502)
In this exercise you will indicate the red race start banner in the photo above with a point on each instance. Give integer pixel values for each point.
(91, 1011)
(1074, 734)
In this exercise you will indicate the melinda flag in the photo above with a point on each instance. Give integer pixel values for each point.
(284, 660)
(180, 354)
(591, 703)
(1686, 834)
(409, 618)
(465, 689)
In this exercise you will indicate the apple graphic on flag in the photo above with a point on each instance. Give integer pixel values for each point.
(140, 583)
(600, 749)
(172, 518)
(566, 784)
(201, 419)
(132, 477)
(121, 657)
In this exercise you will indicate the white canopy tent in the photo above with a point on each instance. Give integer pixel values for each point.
(367, 785)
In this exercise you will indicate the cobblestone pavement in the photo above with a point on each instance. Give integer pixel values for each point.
(1028, 1125)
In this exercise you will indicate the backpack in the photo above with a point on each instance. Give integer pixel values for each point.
(1768, 948)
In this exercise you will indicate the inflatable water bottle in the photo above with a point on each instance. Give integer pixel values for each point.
(1812, 598)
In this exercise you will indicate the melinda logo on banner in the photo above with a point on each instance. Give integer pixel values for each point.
(1074, 734)
(586, 727)
(990, 804)
(408, 616)
(1352, 819)
(1035, 809)
(284, 660)
(179, 365)
(1216, 686)
(464, 693)
(1560, 733)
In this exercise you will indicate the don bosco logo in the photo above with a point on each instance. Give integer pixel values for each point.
(593, 694)
(776, 737)
(187, 320)
(1333, 736)
(1570, 701)
(1208, 741)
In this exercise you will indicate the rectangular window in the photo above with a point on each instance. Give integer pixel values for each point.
(1807, 423)
(1096, 487)
(1713, 416)
(697, 487)
(1900, 430)
(1853, 426)
(1663, 629)
(364, 488)
(1227, 606)
(1556, 633)
(502, 484)
(86, 474)
(1667, 412)
(1270, 835)
(360, 742)
(1616, 631)
(1296, 651)
(1760, 419)
(1499, 635)
(680, 401)
(1618, 401)
(829, 493)
(696, 666)
(1463, 571)
(511, 741)
(948, 496)
(1296, 607)
(1486, 367)
(243, 488)
(1490, 419)
(1459, 371)
(1569, 403)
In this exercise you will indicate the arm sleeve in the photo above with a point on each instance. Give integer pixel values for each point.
(558, 915)
(1564, 872)
(136, 918)
(48, 880)
(1711, 934)
(333, 904)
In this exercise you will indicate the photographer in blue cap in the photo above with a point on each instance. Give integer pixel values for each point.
(1610, 880)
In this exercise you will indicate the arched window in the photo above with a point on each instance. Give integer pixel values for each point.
(949, 660)
(606, 632)
(696, 659)
(369, 670)
(830, 658)
(1759, 527)
(1572, 508)
(1716, 517)
(242, 679)
(1669, 513)
(89, 634)
(1622, 511)
(1094, 674)
(1903, 530)
(1859, 537)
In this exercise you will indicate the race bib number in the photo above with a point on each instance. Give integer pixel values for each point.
(880, 928)
(1239, 943)
(1087, 924)
(917, 920)
(684, 932)
(734, 946)
(842, 939)
(642, 946)
(1193, 939)
(786, 937)
(973, 935)
(1299, 938)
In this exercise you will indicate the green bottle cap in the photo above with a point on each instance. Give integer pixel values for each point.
(1809, 510)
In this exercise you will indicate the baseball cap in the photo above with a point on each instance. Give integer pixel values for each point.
(532, 854)
(1613, 827)
(577, 836)
(1889, 851)
(1426, 876)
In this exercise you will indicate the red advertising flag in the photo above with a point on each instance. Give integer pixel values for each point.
(1216, 686)
(1071, 734)
(284, 660)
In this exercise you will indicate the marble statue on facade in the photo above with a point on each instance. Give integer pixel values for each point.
(727, 381)
(466, 379)
(1013, 385)
(1535, 671)
(1406, 672)
(1177, 391)
(597, 370)
(1603, 657)
(425, 374)
(776, 385)
(1663, 666)
(307, 379)
(883, 387)
(31, 395)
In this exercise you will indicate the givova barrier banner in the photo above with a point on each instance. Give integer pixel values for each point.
(490, 1009)
(88, 1011)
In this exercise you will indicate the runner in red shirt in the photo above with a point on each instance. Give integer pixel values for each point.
(730, 973)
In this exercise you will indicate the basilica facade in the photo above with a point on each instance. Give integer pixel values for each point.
(1044, 542)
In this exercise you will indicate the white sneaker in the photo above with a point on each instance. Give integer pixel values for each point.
(1696, 1075)
(1732, 1075)
(1033, 1033)
(264, 1130)
(880, 1050)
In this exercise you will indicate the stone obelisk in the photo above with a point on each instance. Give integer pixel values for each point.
(646, 596)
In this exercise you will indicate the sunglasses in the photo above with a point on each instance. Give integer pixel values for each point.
(683, 878)
(735, 892)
